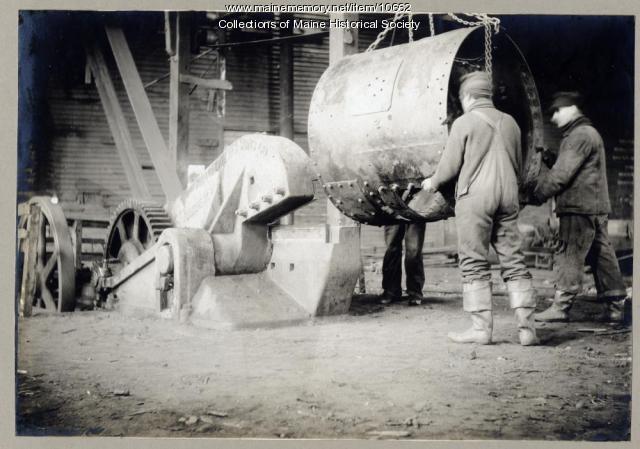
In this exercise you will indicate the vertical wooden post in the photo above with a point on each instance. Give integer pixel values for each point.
(76, 240)
(286, 83)
(179, 96)
(342, 42)
(29, 272)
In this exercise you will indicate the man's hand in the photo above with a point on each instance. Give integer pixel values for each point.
(427, 185)
(548, 156)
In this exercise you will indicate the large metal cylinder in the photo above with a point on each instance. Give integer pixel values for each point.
(379, 121)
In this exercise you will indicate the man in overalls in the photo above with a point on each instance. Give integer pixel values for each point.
(484, 153)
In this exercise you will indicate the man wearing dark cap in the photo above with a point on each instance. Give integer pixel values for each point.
(578, 180)
(483, 153)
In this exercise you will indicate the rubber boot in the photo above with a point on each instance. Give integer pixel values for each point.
(476, 300)
(522, 299)
(559, 309)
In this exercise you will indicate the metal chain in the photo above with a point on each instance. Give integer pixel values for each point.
(384, 32)
(488, 23)
(432, 27)
(410, 29)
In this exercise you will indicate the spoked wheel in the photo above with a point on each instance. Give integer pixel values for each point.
(135, 226)
(53, 270)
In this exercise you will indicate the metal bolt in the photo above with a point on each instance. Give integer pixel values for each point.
(350, 184)
(366, 183)
(395, 187)
(254, 205)
(267, 198)
(372, 194)
(360, 200)
(279, 191)
(242, 213)
(382, 189)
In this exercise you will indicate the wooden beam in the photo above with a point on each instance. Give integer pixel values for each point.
(76, 241)
(153, 139)
(286, 82)
(117, 122)
(206, 83)
(342, 41)
(179, 95)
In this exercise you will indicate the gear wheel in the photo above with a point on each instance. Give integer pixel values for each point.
(134, 227)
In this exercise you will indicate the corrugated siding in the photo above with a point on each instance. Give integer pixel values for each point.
(84, 165)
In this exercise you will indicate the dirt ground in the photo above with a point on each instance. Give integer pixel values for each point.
(378, 372)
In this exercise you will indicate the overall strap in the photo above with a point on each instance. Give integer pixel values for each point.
(497, 132)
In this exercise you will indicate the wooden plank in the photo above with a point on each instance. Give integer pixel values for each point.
(117, 122)
(207, 83)
(179, 96)
(29, 272)
(153, 139)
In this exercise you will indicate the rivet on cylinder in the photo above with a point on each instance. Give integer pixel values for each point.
(279, 191)
(254, 205)
(267, 198)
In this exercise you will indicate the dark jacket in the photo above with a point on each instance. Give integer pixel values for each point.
(578, 178)
(469, 140)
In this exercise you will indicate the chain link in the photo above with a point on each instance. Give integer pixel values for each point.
(410, 29)
(432, 26)
(491, 25)
(383, 33)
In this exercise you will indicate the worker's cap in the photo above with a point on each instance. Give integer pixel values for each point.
(477, 84)
(563, 99)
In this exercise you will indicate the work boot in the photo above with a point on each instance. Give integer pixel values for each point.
(388, 298)
(559, 309)
(415, 299)
(476, 300)
(615, 311)
(522, 299)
